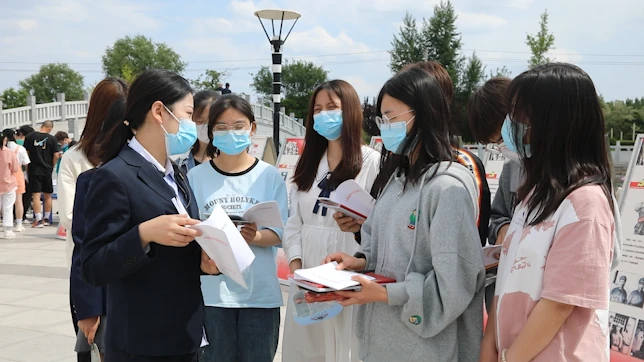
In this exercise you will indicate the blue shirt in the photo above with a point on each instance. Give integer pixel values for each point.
(236, 193)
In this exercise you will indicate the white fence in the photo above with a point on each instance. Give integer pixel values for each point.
(34, 114)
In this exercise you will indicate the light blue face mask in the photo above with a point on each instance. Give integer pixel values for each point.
(328, 124)
(393, 135)
(507, 133)
(231, 142)
(180, 142)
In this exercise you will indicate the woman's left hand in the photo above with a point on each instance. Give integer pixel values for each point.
(250, 234)
(370, 292)
(208, 265)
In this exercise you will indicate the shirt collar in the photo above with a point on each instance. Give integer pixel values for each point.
(136, 146)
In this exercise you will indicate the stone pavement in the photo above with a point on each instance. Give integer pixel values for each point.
(35, 322)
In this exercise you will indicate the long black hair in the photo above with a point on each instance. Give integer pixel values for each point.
(151, 86)
(568, 150)
(350, 138)
(427, 142)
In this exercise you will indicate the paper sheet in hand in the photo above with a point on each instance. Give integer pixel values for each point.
(491, 256)
(265, 214)
(224, 244)
(350, 199)
(327, 275)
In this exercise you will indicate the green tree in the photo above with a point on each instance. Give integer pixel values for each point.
(130, 56)
(620, 118)
(407, 47)
(501, 72)
(211, 79)
(299, 80)
(540, 43)
(442, 41)
(12, 98)
(52, 79)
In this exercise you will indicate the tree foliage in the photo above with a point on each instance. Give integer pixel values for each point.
(438, 39)
(12, 98)
(407, 47)
(299, 80)
(541, 43)
(211, 79)
(130, 56)
(621, 115)
(52, 79)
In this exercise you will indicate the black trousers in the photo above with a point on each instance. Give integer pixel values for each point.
(83, 356)
(114, 356)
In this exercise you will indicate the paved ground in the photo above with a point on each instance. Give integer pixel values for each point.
(35, 325)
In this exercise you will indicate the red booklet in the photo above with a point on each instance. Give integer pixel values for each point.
(317, 297)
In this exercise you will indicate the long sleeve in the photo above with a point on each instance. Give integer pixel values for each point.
(292, 238)
(367, 246)
(503, 203)
(112, 248)
(444, 293)
(66, 190)
(88, 300)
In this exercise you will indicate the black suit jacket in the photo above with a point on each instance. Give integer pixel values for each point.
(154, 301)
(88, 300)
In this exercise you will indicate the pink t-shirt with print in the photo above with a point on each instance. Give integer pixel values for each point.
(566, 259)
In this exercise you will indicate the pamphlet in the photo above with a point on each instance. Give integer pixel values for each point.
(225, 245)
(327, 275)
(350, 199)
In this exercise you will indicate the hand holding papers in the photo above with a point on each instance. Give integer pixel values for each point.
(223, 243)
(491, 256)
(350, 199)
(327, 276)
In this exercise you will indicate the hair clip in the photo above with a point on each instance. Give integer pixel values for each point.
(127, 123)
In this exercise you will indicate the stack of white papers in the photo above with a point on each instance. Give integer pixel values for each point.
(328, 276)
(350, 199)
(223, 243)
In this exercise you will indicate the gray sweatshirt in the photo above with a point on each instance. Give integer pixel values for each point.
(425, 237)
(505, 201)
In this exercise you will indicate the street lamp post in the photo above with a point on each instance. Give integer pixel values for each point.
(277, 42)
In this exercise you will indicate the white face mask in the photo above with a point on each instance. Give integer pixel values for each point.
(202, 133)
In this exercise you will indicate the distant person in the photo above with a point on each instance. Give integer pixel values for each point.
(619, 294)
(23, 160)
(23, 132)
(636, 298)
(8, 166)
(227, 89)
(44, 153)
(63, 141)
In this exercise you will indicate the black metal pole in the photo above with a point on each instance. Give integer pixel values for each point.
(277, 90)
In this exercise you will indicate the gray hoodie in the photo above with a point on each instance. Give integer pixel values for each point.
(425, 237)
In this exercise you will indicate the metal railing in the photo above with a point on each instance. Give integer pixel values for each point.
(33, 114)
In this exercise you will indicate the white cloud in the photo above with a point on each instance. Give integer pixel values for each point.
(318, 41)
(520, 4)
(478, 21)
(364, 88)
(564, 55)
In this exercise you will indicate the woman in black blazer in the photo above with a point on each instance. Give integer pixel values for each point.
(136, 240)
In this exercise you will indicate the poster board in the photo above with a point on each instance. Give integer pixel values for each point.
(627, 301)
(288, 158)
(263, 148)
(376, 143)
(493, 163)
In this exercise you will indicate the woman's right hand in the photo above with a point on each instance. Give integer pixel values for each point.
(295, 265)
(168, 230)
(346, 261)
(347, 223)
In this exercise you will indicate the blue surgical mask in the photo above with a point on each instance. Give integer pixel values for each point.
(328, 124)
(393, 135)
(180, 142)
(231, 142)
(507, 133)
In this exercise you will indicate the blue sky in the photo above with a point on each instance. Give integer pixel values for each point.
(350, 38)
